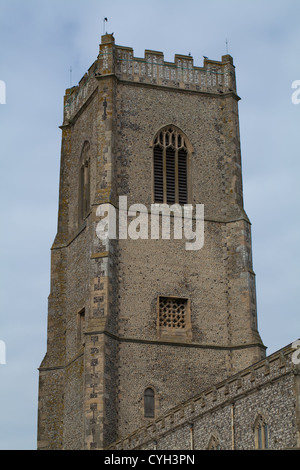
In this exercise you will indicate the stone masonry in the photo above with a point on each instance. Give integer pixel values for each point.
(105, 346)
(228, 411)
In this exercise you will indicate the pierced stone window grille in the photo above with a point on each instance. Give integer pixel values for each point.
(170, 167)
(172, 313)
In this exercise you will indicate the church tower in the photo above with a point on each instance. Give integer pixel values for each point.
(138, 323)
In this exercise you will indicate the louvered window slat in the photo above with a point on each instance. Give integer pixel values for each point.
(158, 174)
(170, 168)
(182, 176)
(170, 175)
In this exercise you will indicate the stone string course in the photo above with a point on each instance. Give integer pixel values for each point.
(86, 395)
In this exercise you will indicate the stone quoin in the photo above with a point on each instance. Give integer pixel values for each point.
(150, 345)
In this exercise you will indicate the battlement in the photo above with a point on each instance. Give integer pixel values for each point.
(223, 394)
(213, 77)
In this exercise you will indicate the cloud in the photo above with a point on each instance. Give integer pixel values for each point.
(39, 42)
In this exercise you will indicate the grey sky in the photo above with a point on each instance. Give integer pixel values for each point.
(39, 41)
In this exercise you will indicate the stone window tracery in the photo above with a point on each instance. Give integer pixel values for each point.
(174, 317)
(214, 443)
(170, 166)
(172, 312)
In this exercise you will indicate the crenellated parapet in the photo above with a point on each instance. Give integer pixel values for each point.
(221, 396)
(214, 76)
(119, 61)
(77, 96)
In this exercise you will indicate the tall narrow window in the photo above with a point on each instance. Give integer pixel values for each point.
(84, 183)
(80, 327)
(261, 433)
(149, 403)
(170, 167)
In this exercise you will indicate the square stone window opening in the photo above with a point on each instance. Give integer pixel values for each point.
(174, 317)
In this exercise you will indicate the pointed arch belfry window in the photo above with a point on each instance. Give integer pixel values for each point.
(84, 183)
(171, 164)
